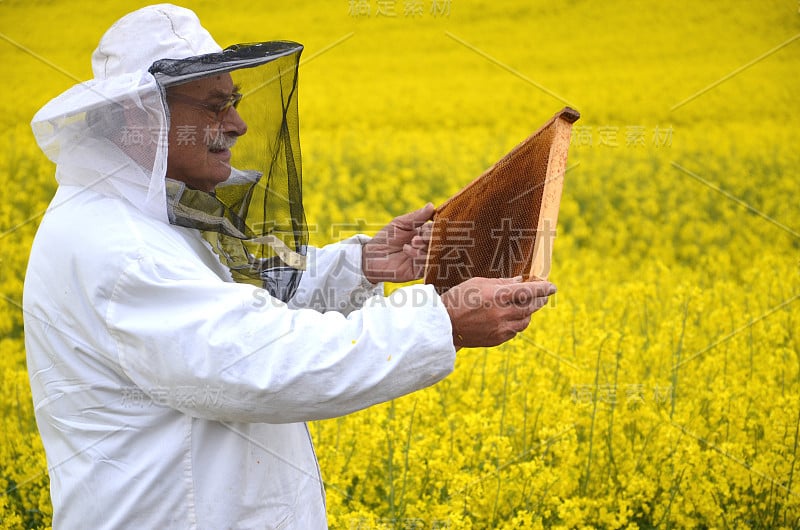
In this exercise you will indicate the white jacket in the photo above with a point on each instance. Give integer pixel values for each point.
(168, 396)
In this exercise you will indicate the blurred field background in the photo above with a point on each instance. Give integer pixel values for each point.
(659, 389)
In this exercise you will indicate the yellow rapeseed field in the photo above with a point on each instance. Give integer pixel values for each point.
(660, 388)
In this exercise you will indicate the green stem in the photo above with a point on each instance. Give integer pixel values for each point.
(587, 474)
(406, 450)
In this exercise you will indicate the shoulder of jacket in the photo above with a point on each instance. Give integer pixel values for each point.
(94, 228)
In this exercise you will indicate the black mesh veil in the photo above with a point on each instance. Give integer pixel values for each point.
(255, 220)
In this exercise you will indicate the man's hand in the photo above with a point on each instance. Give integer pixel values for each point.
(488, 312)
(397, 253)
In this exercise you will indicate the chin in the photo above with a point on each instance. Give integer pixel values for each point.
(215, 181)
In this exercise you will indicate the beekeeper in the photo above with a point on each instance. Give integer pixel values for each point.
(180, 330)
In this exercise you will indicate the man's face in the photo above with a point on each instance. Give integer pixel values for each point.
(200, 138)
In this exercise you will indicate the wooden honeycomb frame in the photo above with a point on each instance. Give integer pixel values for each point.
(502, 224)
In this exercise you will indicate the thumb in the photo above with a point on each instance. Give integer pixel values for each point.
(425, 213)
(417, 217)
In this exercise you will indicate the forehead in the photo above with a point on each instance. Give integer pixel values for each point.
(221, 84)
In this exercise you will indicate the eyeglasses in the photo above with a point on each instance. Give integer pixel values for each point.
(220, 110)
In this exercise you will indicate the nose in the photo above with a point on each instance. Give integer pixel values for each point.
(233, 123)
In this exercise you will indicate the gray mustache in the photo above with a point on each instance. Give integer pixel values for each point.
(220, 142)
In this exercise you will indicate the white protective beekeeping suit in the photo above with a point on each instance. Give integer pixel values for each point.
(168, 395)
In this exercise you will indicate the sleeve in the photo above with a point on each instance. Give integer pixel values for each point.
(334, 279)
(178, 327)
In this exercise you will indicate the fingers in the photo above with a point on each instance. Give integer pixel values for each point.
(411, 228)
(512, 328)
(424, 214)
(415, 254)
(520, 325)
(513, 291)
(525, 293)
(423, 236)
(520, 312)
(519, 300)
(419, 237)
(421, 240)
(415, 219)
(490, 311)
(418, 257)
(425, 232)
